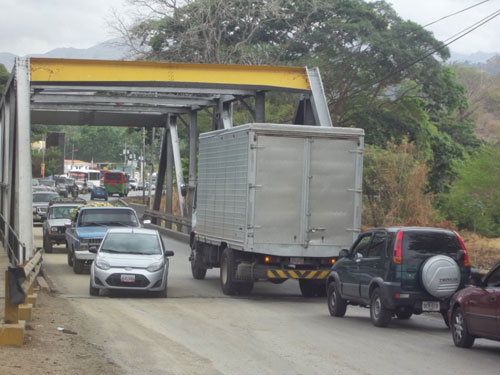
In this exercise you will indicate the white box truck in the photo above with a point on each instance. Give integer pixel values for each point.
(276, 202)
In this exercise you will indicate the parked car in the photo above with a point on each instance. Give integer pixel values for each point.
(130, 259)
(99, 192)
(140, 185)
(399, 271)
(475, 311)
(41, 201)
(132, 183)
(58, 216)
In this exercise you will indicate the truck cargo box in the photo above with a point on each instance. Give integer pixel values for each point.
(284, 190)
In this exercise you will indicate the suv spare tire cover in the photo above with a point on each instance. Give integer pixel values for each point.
(440, 276)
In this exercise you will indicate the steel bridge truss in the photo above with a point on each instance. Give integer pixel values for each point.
(131, 94)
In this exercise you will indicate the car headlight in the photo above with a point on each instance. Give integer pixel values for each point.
(84, 245)
(53, 229)
(102, 264)
(153, 267)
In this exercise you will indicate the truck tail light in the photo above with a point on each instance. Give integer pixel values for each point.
(269, 259)
(398, 248)
(328, 261)
(466, 255)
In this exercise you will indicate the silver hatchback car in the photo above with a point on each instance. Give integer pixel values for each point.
(130, 259)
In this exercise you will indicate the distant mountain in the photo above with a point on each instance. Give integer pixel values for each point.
(111, 49)
(472, 58)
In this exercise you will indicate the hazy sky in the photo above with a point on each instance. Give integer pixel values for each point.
(38, 26)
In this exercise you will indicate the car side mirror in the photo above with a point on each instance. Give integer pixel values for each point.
(147, 221)
(169, 253)
(93, 249)
(344, 253)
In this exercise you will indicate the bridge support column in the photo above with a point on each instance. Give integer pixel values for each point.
(179, 177)
(22, 188)
(193, 151)
(161, 173)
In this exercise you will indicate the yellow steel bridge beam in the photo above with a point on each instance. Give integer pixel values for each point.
(189, 75)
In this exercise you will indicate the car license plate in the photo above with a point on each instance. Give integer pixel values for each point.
(127, 278)
(431, 306)
(296, 260)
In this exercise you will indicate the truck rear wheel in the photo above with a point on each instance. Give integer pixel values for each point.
(227, 273)
(198, 271)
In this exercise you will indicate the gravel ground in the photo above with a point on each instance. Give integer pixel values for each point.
(48, 350)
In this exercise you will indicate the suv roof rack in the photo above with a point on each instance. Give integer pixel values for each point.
(69, 200)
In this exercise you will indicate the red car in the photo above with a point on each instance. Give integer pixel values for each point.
(475, 310)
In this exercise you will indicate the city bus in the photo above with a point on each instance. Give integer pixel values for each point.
(116, 182)
(90, 176)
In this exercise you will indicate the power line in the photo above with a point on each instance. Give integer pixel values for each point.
(454, 14)
(447, 42)
(429, 24)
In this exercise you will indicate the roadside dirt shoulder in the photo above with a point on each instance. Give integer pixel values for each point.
(50, 350)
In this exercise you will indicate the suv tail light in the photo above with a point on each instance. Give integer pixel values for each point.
(398, 248)
(466, 255)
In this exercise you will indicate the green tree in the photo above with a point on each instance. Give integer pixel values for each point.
(378, 70)
(51, 159)
(474, 200)
(4, 77)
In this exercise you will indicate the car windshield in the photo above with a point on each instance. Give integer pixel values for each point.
(108, 217)
(44, 197)
(63, 212)
(131, 243)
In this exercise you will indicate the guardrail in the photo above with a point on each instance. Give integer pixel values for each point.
(19, 300)
(15, 249)
(182, 224)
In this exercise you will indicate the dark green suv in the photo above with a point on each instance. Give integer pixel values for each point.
(399, 271)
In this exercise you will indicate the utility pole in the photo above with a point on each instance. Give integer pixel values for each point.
(143, 169)
(151, 168)
(42, 166)
(72, 156)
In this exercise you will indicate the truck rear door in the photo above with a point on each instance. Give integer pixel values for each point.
(305, 192)
(332, 192)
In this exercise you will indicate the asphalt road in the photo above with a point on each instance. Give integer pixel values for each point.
(198, 330)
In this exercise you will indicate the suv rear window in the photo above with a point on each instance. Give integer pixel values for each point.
(420, 244)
